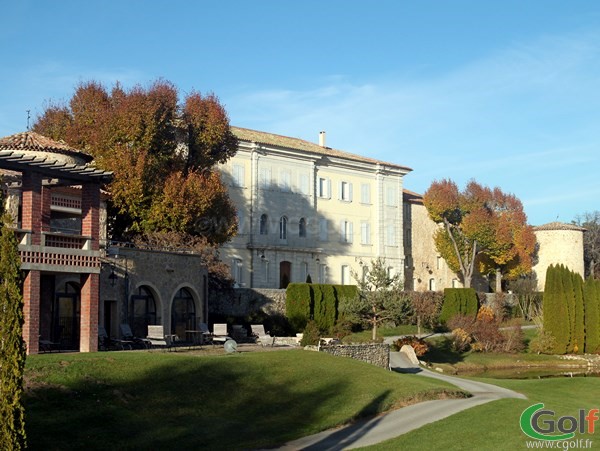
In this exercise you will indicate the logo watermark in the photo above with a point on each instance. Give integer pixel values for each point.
(541, 424)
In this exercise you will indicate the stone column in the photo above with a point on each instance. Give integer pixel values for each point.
(31, 311)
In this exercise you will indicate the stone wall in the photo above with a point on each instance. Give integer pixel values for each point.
(375, 354)
(244, 301)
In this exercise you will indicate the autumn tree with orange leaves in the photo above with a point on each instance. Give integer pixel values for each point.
(482, 229)
(162, 154)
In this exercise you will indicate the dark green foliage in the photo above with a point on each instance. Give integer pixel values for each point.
(578, 334)
(325, 307)
(568, 295)
(556, 315)
(12, 346)
(591, 318)
(298, 305)
(311, 334)
(308, 279)
(459, 301)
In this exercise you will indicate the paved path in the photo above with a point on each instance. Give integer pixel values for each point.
(371, 431)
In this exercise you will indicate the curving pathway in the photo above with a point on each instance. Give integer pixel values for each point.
(371, 431)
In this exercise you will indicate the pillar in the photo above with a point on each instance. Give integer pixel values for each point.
(32, 205)
(90, 286)
(90, 213)
(31, 311)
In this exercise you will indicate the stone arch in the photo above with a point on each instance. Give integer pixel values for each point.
(145, 307)
(185, 309)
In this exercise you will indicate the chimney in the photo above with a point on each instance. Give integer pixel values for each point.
(322, 139)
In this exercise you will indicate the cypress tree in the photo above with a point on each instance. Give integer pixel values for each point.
(578, 334)
(556, 321)
(592, 320)
(568, 296)
(12, 346)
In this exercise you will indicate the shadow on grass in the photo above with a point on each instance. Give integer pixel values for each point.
(177, 404)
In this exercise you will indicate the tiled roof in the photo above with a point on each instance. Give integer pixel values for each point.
(560, 226)
(411, 196)
(34, 142)
(245, 134)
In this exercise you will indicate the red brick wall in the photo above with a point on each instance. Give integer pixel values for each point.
(45, 208)
(31, 311)
(90, 284)
(32, 205)
(90, 212)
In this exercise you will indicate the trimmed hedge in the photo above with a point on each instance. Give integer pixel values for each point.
(457, 301)
(298, 305)
(318, 302)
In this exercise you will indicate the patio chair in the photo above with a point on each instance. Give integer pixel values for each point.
(205, 335)
(220, 333)
(157, 338)
(136, 341)
(106, 343)
(262, 337)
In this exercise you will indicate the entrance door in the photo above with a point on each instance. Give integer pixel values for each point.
(285, 273)
(65, 320)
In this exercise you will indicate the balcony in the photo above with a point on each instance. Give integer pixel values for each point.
(58, 252)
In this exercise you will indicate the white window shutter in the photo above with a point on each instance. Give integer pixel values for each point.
(350, 192)
(350, 232)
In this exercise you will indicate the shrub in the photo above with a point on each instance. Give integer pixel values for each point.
(311, 334)
(298, 305)
(458, 301)
(418, 344)
(487, 336)
(514, 340)
(543, 343)
(461, 340)
(466, 323)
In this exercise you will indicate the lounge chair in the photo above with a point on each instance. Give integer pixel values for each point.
(205, 335)
(106, 343)
(136, 341)
(262, 337)
(220, 333)
(157, 338)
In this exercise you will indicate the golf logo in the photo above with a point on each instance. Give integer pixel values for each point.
(540, 424)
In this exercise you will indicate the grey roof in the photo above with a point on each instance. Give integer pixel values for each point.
(559, 226)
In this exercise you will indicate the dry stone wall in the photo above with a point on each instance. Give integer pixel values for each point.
(375, 354)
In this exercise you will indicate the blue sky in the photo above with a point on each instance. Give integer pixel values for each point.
(503, 92)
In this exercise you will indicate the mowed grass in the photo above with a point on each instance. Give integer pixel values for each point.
(142, 400)
(495, 425)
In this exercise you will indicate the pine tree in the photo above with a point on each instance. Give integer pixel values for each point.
(12, 346)
(578, 334)
(592, 313)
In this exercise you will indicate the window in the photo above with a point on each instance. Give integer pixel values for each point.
(432, 284)
(304, 271)
(439, 262)
(241, 222)
(365, 273)
(390, 235)
(346, 191)
(325, 188)
(264, 225)
(322, 273)
(365, 233)
(264, 178)
(237, 270)
(323, 232)
(390, 196)
(238, 175)
(345, 274)
(455, 283)
(283, 228)
(346, 231)
(365, 194)
(285, 181)
(304, 182)
(302, 228)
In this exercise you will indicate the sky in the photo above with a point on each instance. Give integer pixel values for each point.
(503, 92)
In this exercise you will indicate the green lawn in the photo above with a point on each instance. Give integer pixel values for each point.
(382, 332)
(142, 400)
(495, 425)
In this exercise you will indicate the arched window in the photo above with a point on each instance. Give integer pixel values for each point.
(264, 224)
(142, 312)
(302, 228)
(283, 228)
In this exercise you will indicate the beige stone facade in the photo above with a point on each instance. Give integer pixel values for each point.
(305, 209)
(558, 243)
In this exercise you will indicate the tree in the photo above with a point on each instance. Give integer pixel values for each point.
(591, 242)
(480, 225)
(556, 318)
(12, 346)
(162, 155)
(592, 315)
(380, 298)
(426, 306)
(578, 335)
